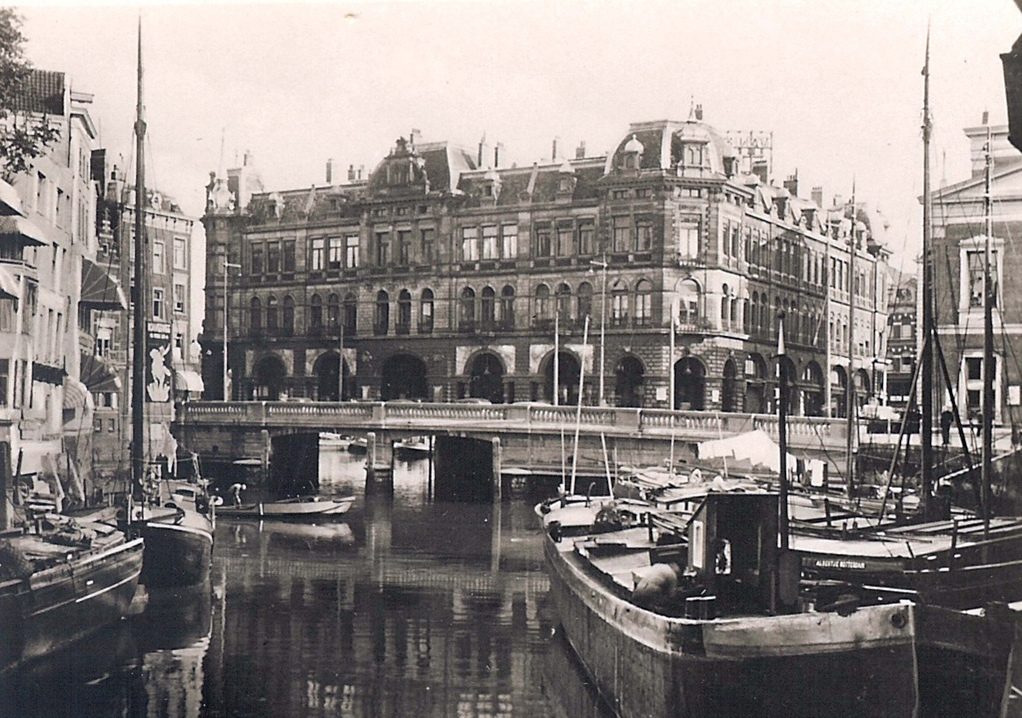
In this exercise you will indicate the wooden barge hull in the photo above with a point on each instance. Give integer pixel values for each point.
(57, 606)
(650, 666)
(175, 554)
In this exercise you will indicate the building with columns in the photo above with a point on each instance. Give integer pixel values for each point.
(444, 274)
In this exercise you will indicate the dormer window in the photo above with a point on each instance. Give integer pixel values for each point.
(631, 155)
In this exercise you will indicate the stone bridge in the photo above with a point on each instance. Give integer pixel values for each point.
(530, 434)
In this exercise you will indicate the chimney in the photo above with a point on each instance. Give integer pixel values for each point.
(761, 168)
(580, 151)
(329, 172)
(817, 196)
(248, 158)
(414, 136)
(986, 117)
(553, 151)
(351, 173)
(791, 184)
(484, 152)
(498, 150)
(699, 113)
(361, 170)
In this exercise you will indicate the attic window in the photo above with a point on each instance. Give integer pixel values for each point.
(566, 183)
(487, 190)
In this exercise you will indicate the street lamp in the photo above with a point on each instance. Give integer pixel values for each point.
(227, 265)
(603, 321)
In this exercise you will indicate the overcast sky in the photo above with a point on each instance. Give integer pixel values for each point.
(838, 83)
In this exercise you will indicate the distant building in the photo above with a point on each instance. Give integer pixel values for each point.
(959, 241)
(902, 348)
(446, 274)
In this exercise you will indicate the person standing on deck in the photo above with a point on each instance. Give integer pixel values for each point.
(236, 490)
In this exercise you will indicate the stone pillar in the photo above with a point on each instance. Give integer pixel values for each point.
(371, 456)
(495, 441)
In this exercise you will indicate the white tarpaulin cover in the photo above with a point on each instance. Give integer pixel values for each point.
(756, 447)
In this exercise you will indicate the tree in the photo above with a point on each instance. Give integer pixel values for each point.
(24, 135)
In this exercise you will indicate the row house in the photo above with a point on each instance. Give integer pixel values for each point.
(649, 276)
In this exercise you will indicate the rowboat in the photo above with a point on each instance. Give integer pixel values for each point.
(298, 507)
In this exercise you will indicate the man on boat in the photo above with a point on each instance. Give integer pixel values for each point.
(236, 490)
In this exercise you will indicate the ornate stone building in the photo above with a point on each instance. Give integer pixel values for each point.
(444, 274)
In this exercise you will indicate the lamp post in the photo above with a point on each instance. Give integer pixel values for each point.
(227, 265)
(603, 322)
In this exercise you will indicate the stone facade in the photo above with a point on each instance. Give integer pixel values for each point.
(431, 267)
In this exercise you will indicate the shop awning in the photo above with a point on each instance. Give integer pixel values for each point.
(100, 290)
(15, 227)
(10, 287)
(187, 380)
(98, 375)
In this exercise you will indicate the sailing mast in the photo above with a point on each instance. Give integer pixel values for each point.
(926, 356)
(850, 385)
(988, 345)
(141, 293)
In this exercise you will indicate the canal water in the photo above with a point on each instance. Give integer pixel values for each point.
(407, 607)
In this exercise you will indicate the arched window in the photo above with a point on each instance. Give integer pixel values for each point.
(333, 313)
(404, 312)
(688, 302)
(350, 314)
(487, 308)
(426, 312)
(289, 316)
(467, 310)
(507, 308)
(564, 305)
(255, 315)
(381, 323)
(619, 304)
(643, 302)
(271, 315)
(543, 303)
(746, 326)
(585, 301)
(316, 314)
(725, 306)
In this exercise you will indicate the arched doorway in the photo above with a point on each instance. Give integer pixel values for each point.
(269, 373)
(404, 377)
(487, 378)
(790, 374)
(689, 384)
(325, 369)
(567, 379)
(812, 389)
(729, 387)
(755, 384)
(838, 392)
(629, 375)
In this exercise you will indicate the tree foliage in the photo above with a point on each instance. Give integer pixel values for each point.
(23, 135)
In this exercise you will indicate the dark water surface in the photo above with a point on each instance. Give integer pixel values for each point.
(408, 607)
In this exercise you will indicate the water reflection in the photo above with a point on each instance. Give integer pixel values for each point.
(405, 607)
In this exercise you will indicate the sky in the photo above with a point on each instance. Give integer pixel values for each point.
(839, 84)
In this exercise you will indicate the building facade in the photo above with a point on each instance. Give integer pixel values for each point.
(902, 347)
(959, 245)
(172, 352)
(652, 276)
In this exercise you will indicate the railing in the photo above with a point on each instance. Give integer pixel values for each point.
(661, 423)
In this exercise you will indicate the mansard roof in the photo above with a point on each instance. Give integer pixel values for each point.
(662, 142)
(419, 168)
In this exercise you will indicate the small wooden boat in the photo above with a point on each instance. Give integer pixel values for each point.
(298, 507)
(358, 445)
(333, 440)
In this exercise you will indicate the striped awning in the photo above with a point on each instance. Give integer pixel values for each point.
(76, 395)
(100, 290)
(15, 227)
(98, 375)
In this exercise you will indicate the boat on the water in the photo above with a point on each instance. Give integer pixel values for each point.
(358, 445)
(61, 580)
(716, 625)
(417, 447)
(294, 508)
(333, 440)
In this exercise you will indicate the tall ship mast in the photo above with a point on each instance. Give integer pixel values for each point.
(926, 367)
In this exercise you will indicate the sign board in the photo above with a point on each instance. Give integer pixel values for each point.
(158, 375)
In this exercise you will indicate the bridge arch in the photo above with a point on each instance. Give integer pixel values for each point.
(325, 369)
(403, 377)
(689, 384)
(567, 378)
(268, 376)
(629, 380)
(486, 377)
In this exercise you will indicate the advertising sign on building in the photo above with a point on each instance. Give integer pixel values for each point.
(158, 376)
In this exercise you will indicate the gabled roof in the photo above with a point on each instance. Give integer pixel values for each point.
(43, 92)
